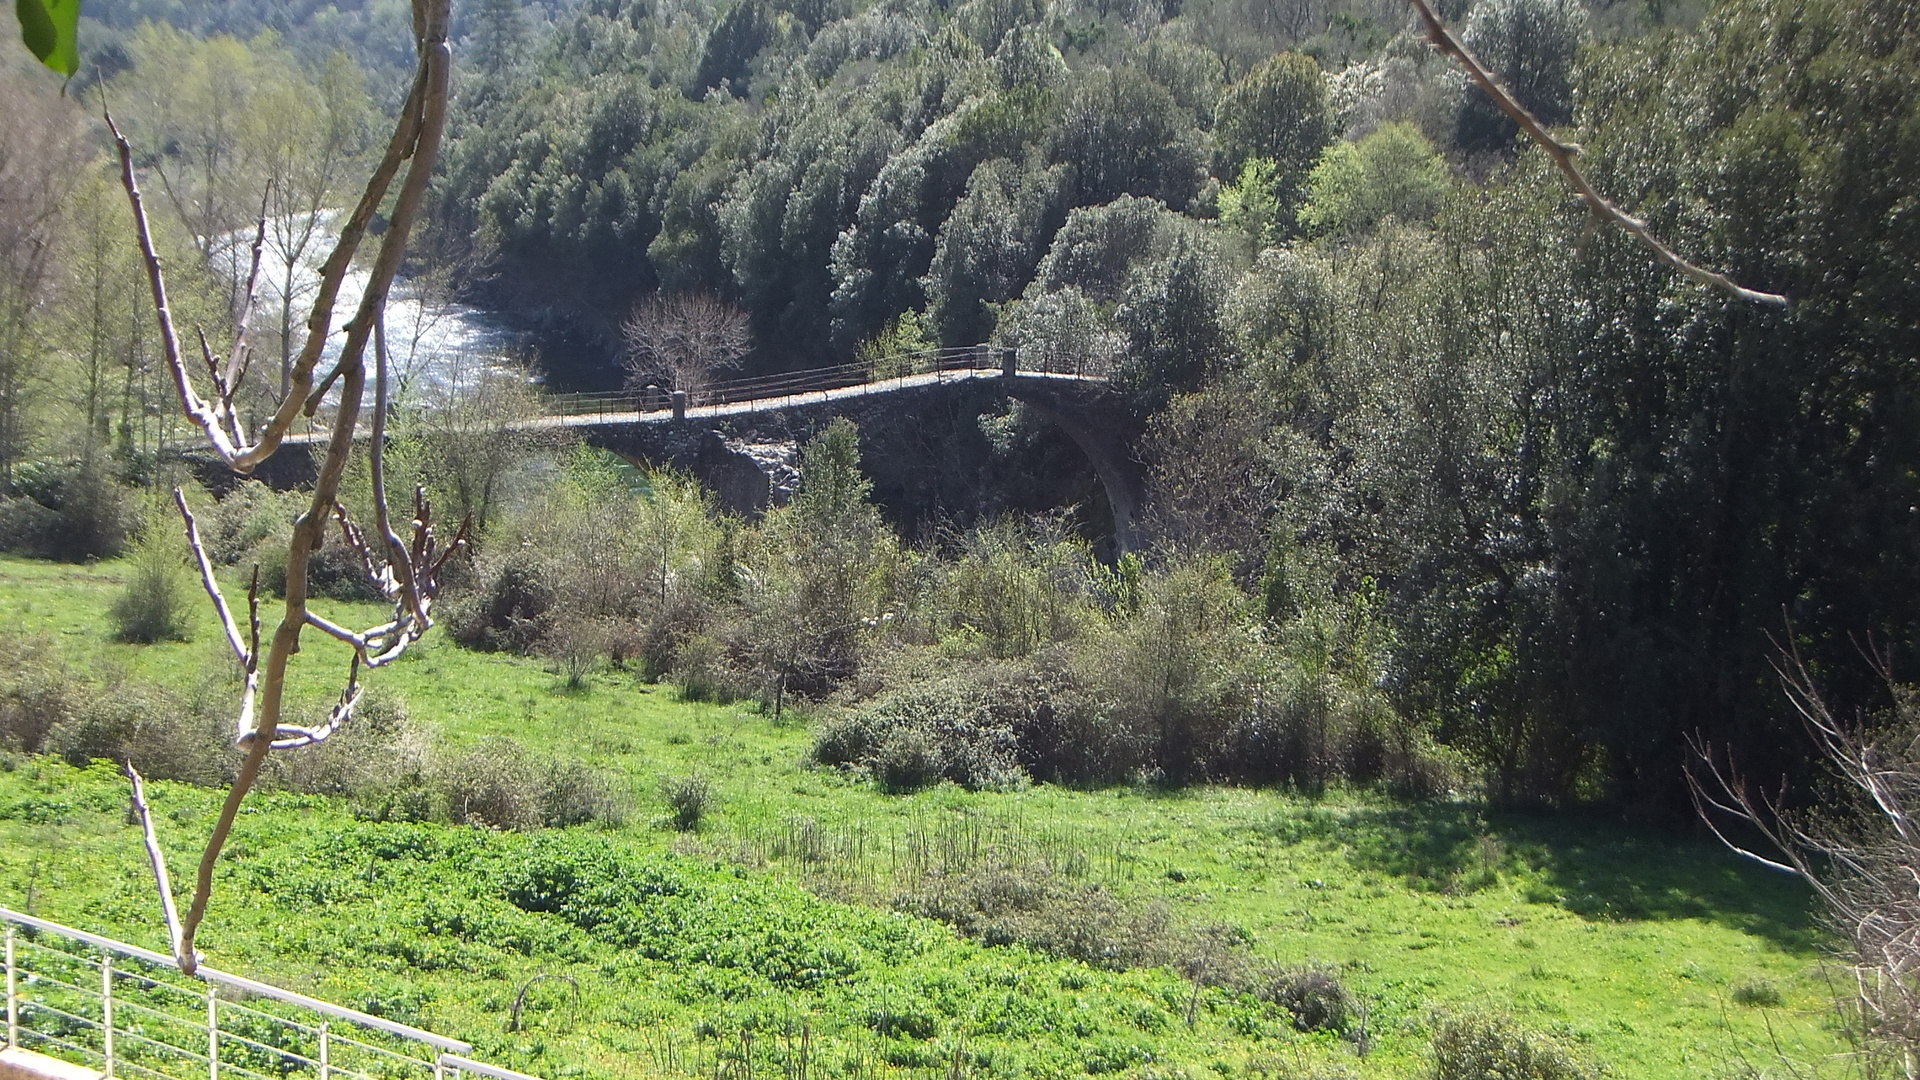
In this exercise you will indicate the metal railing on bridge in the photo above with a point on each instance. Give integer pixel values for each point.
(888, 372)
(903, 366)
(128, 1012)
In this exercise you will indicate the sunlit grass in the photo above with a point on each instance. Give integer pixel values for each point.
(1639, 947)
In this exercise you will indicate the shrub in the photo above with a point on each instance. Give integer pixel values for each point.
(493, 784)
(577, 648)
(1477, 1046)
(705, 670)
(1030, 903)
(244, 519)
(963, 727)
(36, 693)
(1758, 991)
(1169, 675)
(1314, 995)
(380, 750)
(909, 759)
(152, 606)
(67, 512)
(689, 800)
(574, 793)
(335, 572)
(848, 739)
(509, 610)
(166, 736)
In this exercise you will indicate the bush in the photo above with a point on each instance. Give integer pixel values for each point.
(1477, 1046)
(1314, 995)
(335, 572)
(152, 606)
(1757, 991)
(36, 693)
(66, 512)
(963, 727)
(1031, 904)
(909, 759)
(381, 749)
(245, 519)
(491, 785)
(509, 611)
(577, 648)
(165, 736)
(689, 799)
(705, 670)
(574, 793)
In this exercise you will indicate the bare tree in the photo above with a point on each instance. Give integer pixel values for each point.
(681, 340)
(1862, 860)
(405, 571)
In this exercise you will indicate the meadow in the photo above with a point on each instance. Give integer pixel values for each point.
(782, 934)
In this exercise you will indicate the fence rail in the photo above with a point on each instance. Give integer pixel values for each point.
(130, 1012)
(889, 372)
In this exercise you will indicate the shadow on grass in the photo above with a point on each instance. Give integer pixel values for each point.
(1595, 869)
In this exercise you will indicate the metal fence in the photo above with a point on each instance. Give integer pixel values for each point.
(129, 1012)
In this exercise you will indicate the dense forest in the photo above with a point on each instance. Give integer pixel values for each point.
(1546, 503)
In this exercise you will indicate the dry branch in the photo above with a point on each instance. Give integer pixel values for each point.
(1864, 866)
(1563, 154)
(407, 574)
(175, 935)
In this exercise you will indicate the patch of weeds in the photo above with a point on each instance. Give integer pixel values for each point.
(1756, 991)
(1492, 1046)
(689, 800)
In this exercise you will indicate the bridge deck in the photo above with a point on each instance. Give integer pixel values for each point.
(614, 416)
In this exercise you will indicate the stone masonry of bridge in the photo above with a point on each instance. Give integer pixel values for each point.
(745, 451)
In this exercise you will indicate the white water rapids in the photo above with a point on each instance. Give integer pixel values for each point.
(435, 346)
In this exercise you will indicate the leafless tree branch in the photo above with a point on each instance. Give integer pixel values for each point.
(407, 574)
(1563, 155)
(1865, 865)
(175, 935)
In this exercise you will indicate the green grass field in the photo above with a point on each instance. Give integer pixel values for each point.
(775, 916)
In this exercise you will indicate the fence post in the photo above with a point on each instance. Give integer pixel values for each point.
(106, 1010)
(13, 997)
(213, 1032)
(326, 1062)
(1008, 359)
(679, 404)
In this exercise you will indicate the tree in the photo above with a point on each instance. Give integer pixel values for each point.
(1862, 860)
(1531, 44)
(748, 27)
(42, 150)
(816, 590)
(1278, 112)
(1121, 133)
(682, 339)
(986, 249)
(311, 151)
(499, 39)
(193, 104)
(1391, 173)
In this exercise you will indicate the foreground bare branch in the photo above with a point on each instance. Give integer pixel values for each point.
(175, 935)
(407, 574)
(1563, 155)
(1864, 865)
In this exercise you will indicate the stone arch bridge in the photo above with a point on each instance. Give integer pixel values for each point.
(739, 437)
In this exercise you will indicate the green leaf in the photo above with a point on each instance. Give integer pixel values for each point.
(51, 31)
